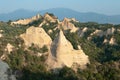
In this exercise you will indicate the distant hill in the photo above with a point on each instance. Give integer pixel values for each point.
(18, 14)
(61, 13)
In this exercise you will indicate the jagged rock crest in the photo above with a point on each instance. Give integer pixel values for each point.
(27, 21)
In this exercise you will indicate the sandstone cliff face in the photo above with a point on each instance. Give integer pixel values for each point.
(27, 21)
(66, 25)
(5, 72)
(63, 54)
(37, 36)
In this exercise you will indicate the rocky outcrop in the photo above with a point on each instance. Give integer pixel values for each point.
(97, 32)
(63, 54)
(112, 41)
(9, 48)
(1, 35)
(67, 25)
(27, 21)
(71, 19)
(37, 36)
(81, 32)
(118, 30)
(50, 17)
(5, 72)
(50, 31)
(105, 41)
(110, 31)
(100, 33)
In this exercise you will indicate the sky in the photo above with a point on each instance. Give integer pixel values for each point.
(108, 7)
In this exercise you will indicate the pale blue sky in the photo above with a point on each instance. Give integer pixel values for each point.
(110, 7)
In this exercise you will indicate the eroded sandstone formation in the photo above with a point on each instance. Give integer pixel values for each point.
(63, 54)
(26, 21)
(37, 36)
(67, 25)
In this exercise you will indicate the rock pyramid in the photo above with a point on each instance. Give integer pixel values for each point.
(63, 54)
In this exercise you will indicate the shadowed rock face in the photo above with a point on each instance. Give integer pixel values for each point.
(5, 72)
(37, 36)
(63, 54)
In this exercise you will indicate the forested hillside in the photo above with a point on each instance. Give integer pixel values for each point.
(100, 42)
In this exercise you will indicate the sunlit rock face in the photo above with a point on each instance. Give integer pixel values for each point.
(63, 54)
(9, 48)
(37, 36)
(67, 25)
(97, 32)
(5, 72)
(112, 41)
(27, 21)
(50, 18)
(109, 31)
(82, 32)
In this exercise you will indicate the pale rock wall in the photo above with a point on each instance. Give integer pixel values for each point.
(66, 25)
(50, 18)
(37, 36)
(63, 54)
(26, 21)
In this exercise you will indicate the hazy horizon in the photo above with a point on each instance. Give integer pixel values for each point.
(102, 7)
